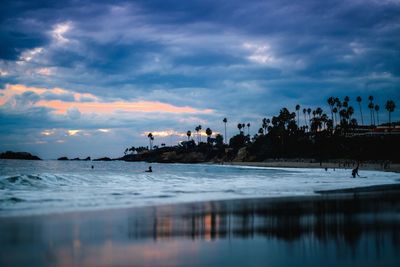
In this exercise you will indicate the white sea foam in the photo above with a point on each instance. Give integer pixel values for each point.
(35, 187)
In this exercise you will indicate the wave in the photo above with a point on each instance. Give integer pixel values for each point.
(31, 181)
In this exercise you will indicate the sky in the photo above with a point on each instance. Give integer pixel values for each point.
(91, 78)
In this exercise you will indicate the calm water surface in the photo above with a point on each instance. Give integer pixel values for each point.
(306, 232)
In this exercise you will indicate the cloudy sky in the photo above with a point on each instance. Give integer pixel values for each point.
(90, 78)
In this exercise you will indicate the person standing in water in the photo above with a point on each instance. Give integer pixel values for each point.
(354, 172)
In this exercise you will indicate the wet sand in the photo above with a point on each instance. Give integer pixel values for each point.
(347, 228)
(394, 167)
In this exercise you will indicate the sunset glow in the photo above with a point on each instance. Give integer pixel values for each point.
(94, 105)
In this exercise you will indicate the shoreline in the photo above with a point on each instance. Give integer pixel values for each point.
(342, 194)
(393, 167)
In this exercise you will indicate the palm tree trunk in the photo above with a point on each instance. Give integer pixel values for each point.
(226, 137)
(362, 119)
(370, 111)
(377, 117)
(373, 115)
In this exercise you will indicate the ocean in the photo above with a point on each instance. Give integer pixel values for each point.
(50, 186)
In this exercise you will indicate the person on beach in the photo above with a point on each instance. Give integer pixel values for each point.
(354, 172)
(149, 170)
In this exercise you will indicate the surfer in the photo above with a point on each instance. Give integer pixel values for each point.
(149, 170)
(354, 172)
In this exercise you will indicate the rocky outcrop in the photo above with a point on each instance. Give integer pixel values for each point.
(63, 158)
(103, 159)
(18, 155)
(191, 157)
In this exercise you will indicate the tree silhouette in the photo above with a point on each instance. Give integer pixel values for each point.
(197, 133)
(132, 149)
(264, 125)
(151, 138)
(350, 111)
(188, 133)
(390, 107)
(331, 103)
(371, 110)
(377, 113)
(305, 116)
(298, 114)
(219, 140)
(240, 127)
(200, 132)
(248, 128)
(335, 111)
(309, 116)
(225, 120)
(359, 104)
(208, 133)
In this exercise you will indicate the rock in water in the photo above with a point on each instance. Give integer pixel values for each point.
(18, 155)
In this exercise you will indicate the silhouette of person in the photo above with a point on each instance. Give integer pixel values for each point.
(150, 169)
(354, 172)
(92, 167)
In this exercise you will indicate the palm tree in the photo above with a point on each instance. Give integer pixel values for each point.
(261, 131)
(350, 111)
(240, 127)
(390, 106)
(359, 104)
(309, 112)
(318, 111)
(208, 133)
(188, 133)
(264, 125)
(197, 133)
(305, 116)
(200, 132)
(335, 111)
(225, 120)
(371, 108)
(377, 113)
(298, 114)
(248, 128)
(151, 138)
(371, 98)
(331, 103)
(347, 99)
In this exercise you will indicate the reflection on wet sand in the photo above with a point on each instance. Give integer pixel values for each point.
(358, 230)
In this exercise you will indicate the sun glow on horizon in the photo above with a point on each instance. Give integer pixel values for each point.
(88, 103)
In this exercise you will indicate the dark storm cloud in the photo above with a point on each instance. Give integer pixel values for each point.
(244, 60)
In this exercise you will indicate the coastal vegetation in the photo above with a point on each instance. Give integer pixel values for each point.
(319, 134)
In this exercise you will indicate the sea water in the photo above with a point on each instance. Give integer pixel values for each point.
(41, 187)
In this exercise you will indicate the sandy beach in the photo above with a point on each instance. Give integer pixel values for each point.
(337, 226)
(301, 163)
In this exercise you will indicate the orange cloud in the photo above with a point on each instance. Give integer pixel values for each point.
(60, 107)
(96, 106)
